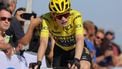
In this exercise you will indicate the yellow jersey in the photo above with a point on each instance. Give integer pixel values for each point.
(63, 36)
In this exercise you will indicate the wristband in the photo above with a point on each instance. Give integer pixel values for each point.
(76, 59)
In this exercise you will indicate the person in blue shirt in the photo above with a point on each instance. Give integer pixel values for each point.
(89, 34)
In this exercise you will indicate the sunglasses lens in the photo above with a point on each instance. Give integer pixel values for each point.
(59, 17)
(63, 15)
(99, 38)
(4, 18)
(66, 15)
(9, 19)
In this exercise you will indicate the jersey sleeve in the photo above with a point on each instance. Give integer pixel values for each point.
(78, 24)
(44, 29)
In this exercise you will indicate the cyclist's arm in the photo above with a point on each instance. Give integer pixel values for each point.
(42, 48)
(79, 36)
(44, 35)
(50, 55)
(79, 46)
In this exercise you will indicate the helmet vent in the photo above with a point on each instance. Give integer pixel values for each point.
(58, 6)
(51, 3)
(62, 5)
(66, 6)
(54, 9)
(50, 8)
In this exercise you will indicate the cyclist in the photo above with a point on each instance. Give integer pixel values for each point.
(65, 25)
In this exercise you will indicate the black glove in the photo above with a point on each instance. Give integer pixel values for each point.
(32, 65)
(39, 63)
(76, 62)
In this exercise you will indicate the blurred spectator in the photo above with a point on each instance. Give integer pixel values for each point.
(16, 28)
(108, 44)
(18, 13)
(11, 4)
(98, 41)
(5, 18)
(3, 3)
(99, 37)
(110, 35)
(89, 37)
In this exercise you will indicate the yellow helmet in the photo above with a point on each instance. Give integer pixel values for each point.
(59, 6)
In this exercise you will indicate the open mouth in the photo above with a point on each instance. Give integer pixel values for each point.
(63, 22)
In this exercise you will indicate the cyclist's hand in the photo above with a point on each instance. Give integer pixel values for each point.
(33, 66)
(74, 64)
(70, 66)
(36, 67)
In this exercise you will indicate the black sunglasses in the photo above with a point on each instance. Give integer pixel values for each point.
(62, 15)
(4, 18)
(99, 38)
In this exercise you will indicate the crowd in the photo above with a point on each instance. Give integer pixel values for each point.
(61, 35)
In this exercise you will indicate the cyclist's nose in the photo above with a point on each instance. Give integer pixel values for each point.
(64, 19)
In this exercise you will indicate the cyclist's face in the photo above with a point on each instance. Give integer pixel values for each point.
(61, 19)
